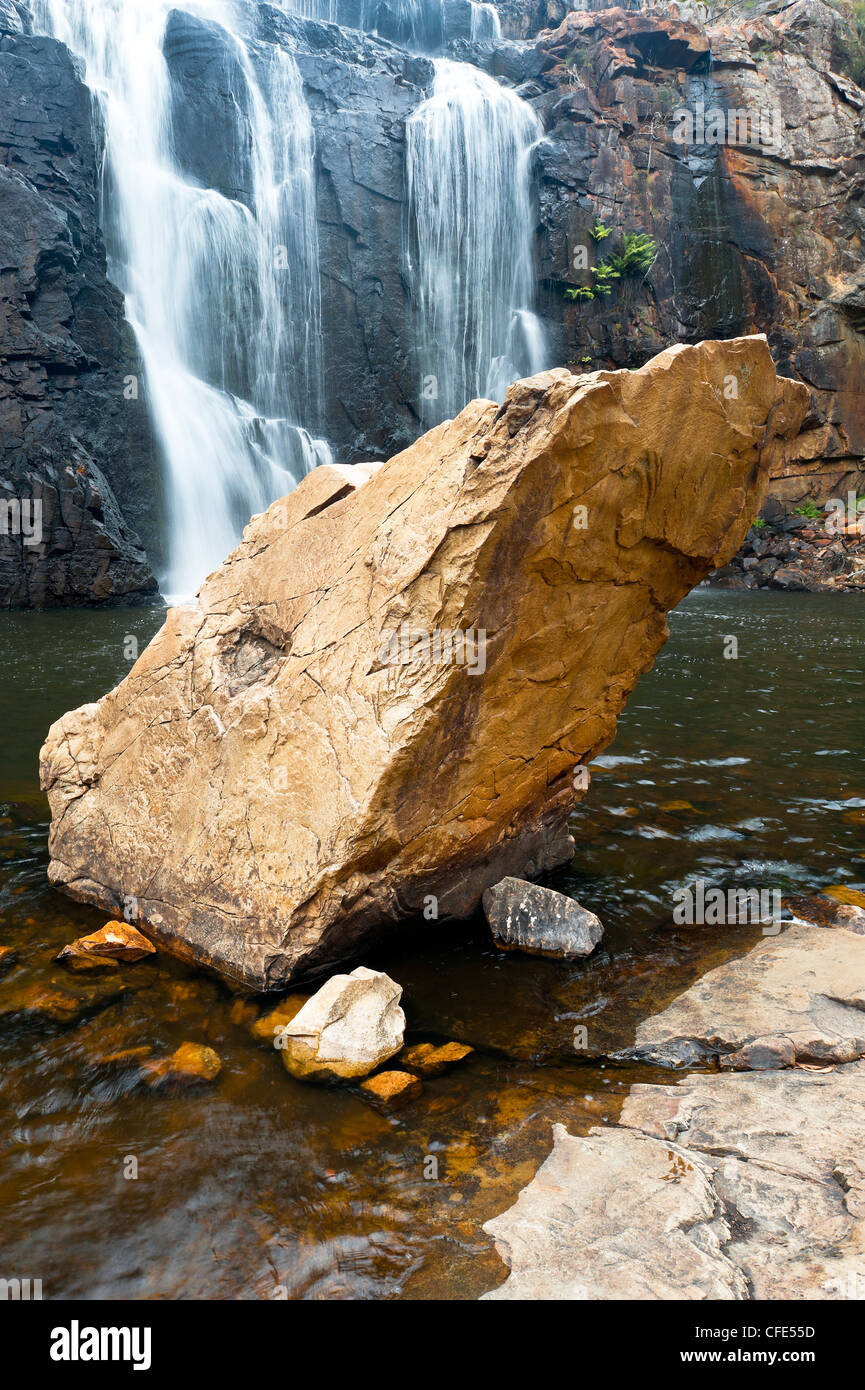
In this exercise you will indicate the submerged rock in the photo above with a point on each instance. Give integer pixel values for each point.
(427, 1059)
(347, 1029)
(269, 1027)
(116, 941)
(380, 701)
(391, 1089)
(191, 1065)
(526, 917)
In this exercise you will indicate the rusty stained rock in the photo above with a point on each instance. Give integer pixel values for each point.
(266, 790)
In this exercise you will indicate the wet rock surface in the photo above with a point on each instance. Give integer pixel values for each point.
(723, 1186)
(526, 917)
(72, 435)
(795, 997)
(183, 799)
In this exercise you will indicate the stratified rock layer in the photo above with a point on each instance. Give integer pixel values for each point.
(733, 1186)
(270, 785)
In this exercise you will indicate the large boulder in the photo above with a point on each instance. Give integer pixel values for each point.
(316, 749)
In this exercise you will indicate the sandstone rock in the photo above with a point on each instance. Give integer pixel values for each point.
(347, 1029)
(526, 917)
(41, 1005)
(728, 1187)
(115, 941)
(428, 1059)
(268, 1028)
(191, 1065)
(268, 787)
(799, 996)
(391, 1089)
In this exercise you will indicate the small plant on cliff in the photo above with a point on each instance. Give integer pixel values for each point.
(599, 232)
(637, 256)
(582, 293)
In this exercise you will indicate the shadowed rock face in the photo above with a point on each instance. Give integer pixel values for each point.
(288, 769)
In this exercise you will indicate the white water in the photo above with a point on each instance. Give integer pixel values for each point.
(223, 295)
(470, 248)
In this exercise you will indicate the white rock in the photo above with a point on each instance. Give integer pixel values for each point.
(347, 1029)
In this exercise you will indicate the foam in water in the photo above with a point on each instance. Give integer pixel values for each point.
(223, 295)
(470, 250)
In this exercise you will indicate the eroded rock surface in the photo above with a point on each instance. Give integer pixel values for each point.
(730, 1186)
(722, 1187)
(271, 786)
(347, 1029)
(525, 917)
(795, 997)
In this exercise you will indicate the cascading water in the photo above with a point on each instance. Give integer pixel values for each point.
(470, 253)
(223, 294)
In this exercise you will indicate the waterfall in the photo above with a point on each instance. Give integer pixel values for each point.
(470, 239)
(223, 294)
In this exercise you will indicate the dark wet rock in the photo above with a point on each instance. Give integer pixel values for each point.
(67, 354)
(7, 957)
(526, 917)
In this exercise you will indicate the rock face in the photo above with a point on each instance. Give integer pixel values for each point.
(724, 1186)
(71, 433)
(799, 996)
(384, 693)
(753, 233)
(347, 1029)
(526, 917)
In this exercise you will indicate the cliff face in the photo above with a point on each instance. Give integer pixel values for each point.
(751, 236)
(72, 431)
(758, 233)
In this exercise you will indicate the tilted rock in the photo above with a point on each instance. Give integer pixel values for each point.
(526, 917)
(799, 996)
(347, 1029)
(315, 748)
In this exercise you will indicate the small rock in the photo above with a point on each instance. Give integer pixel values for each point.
(115, 941)
(347, 1029)
(191, 1065)
(427, 1059)
(85, 962)
(392, 1089)
(269, 1026)
(526, 917)
(7, 957)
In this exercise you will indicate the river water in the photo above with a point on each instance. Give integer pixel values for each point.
(744, 771)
